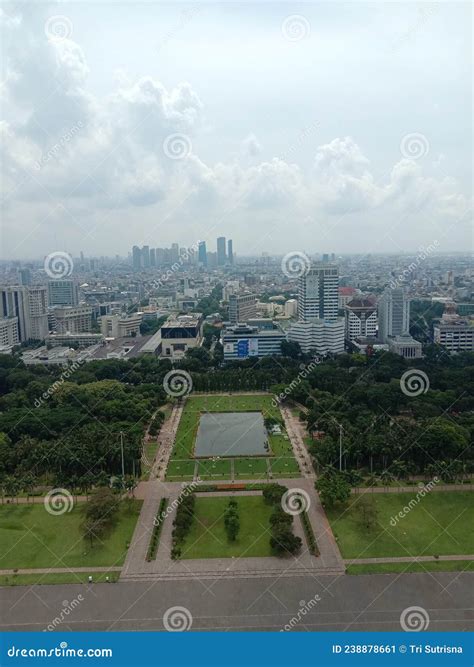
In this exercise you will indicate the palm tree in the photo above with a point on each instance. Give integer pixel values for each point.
(386, 477)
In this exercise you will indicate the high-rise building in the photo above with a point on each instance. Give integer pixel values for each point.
(202, 253)
(221, 254)
(319, 329)
(230, 252)
(63, 292)
(394, 314)
(146, 256)
(25, 276)
(361, 319)
(318, 293)
(72, 319)
(174, 252)
(242, 307)
(29, 304)
(136, 258)
(152, 257)
(8, 333)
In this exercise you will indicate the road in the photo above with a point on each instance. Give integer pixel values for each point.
(369, 602)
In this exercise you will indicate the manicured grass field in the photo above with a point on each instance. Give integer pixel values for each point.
(250, 468)
(57, 578)
(181, 464)
(431, 566)
(208, 539)
(440, 524)
(208, 469)
(30, 537)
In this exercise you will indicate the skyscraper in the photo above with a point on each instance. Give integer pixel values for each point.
(174, 252)
(146, 256)
(202, 253)
(394, 314)
(136, 258)
(318, 293)
(30, 305)
(63, 292)
(319, 329)
(152, 257)
(230, 253)
(221, 255)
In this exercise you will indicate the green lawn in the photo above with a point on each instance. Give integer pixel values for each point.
(181, 464)
(440, 524)
(30, 537)
(208, 469)
(57, 578)
(431, 566)
(208, 539)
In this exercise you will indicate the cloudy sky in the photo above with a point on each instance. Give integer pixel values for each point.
(324, 126)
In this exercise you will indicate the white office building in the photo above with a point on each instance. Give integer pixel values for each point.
(319, 329)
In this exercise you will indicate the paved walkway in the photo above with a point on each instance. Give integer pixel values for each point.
(61, 570)
(136, 567)
(403, 559)
(412, 489)
(295, 432)
(166, 442)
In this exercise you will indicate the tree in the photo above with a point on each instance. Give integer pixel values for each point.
(231, 520)
(284, 542)
(333, 488)
(273, 493)
(100, 514)
(290, 349)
